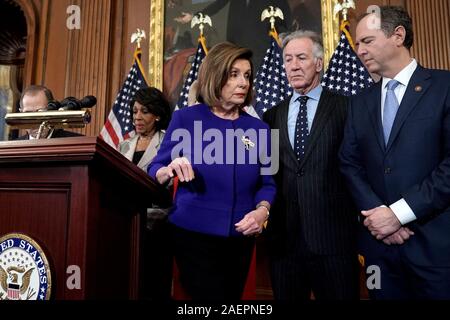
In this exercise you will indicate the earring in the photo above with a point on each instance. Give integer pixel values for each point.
(157, 119)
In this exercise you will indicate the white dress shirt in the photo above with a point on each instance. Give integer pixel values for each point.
(401, 209)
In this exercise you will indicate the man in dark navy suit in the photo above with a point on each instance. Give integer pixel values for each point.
(396, 158)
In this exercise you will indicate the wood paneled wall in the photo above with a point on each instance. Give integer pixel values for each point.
(431, 25)
(92, 60)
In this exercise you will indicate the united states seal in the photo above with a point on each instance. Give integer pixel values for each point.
(24, 269)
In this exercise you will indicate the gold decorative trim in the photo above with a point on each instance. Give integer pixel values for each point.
(156, 41)
(330, 35)
(330, 30)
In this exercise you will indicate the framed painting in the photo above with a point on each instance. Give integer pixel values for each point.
(173, 43)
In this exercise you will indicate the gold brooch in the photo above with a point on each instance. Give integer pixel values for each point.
(247, 142)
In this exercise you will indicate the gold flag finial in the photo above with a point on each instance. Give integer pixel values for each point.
(201, 19)
(271, 13)
(346, 4)
(137, 37)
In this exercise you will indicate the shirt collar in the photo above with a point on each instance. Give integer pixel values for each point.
(313, 94)
(403, 76)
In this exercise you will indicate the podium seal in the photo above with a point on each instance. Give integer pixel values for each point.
(24, 269)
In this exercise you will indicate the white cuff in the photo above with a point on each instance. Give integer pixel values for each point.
(403, 212)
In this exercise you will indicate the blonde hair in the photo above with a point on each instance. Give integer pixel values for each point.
(215, 69)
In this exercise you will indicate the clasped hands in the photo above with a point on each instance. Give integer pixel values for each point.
(251, 224)
(384, 225)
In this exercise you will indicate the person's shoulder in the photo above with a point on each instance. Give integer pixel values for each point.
(335, 96)
(366, 93)
(253, 121)
(277, 108)
(191, 111)
(272, 111)
(439, 73)
(270, 115)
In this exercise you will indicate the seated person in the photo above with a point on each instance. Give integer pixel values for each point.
(36, 98)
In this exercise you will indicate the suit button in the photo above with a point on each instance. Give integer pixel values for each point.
(300, 172)
(387, 170)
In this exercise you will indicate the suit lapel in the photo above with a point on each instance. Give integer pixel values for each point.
(284, 135)
(324, 110)
(373, 102)
(417, 87)
(151, 151)
(131, 147)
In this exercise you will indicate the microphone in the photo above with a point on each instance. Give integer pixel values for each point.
(72, 103)
(88, 102)
(53, 105)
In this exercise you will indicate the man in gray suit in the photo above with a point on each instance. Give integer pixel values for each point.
(312, 228)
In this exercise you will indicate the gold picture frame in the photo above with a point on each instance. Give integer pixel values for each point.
(330, 35)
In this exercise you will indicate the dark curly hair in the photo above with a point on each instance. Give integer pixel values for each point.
(155, 101)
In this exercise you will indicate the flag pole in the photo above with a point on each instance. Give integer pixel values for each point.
(118, 126)
(137, 38)
(201, 20)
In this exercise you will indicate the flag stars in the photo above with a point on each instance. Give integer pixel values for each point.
(270, 83)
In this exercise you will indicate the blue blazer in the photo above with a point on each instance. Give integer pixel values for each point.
(226, 186)
(415, 164)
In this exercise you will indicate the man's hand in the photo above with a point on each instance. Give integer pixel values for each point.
(398, 237)
(381, 222)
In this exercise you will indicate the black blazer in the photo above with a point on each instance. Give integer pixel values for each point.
(313, 202)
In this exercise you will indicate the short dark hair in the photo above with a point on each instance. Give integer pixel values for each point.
(391, 17)
(156, 103)
(215, 70)
(35, 89)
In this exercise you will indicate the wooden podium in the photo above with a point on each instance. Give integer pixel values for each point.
(82, 202)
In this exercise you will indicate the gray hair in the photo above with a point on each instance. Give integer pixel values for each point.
(300, 34)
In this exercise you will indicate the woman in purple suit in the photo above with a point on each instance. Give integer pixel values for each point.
(220, 155)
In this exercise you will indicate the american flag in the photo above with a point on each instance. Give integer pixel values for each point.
(193, 73)
(119, 126)
(271, 84)
(346, 75)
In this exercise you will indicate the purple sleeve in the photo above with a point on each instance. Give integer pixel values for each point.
(164, 156)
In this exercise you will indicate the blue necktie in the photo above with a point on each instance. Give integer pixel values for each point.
(301, 129)
(390, 109)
